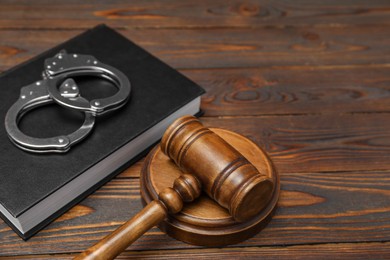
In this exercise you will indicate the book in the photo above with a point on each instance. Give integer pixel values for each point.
(37, 188)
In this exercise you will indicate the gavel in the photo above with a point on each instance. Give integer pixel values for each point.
(210, 164)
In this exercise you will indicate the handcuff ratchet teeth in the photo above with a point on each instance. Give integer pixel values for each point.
(57, 86)
(72, 65)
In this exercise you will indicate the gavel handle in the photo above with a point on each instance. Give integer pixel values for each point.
(116, 242)
(186, 188)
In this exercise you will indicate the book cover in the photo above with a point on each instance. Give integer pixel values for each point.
(37, 188)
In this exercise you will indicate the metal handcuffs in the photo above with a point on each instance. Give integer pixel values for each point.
(57, 86)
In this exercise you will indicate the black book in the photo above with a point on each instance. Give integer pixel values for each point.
(37, 188)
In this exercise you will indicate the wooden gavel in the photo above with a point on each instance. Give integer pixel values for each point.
(209, 162)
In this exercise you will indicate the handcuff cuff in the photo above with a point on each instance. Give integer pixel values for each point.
(57, 86)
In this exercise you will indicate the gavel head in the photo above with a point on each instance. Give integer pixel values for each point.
(226, 176)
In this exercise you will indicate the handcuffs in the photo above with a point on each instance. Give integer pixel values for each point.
(57, 86)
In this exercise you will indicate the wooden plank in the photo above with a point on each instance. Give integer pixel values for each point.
(340, 251)
(294, 90)
(299, 90)
(315, 143)
(339, 207)
(328, 251)
(228, 48)
(187, 14)
(303, 79)
(318, 143)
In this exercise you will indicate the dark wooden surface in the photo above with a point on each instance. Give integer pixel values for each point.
(309, 81)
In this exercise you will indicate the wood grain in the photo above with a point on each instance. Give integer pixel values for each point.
(192, 48)
(314, 143)
(294, 90)
(306, 80)
(187, 14)
(344, 207)
(339, 251)
(318, 143)
(375, 250)
(322, 200)
(186, 188)
(205, 222)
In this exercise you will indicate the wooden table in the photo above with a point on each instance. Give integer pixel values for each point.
(309, 81)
